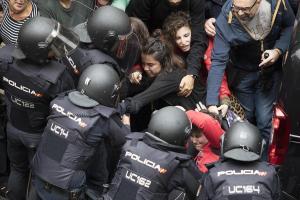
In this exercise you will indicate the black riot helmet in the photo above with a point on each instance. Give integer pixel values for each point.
(109, 29)
(171, 125)
(242, 142)
(39, 35)
(98, 84)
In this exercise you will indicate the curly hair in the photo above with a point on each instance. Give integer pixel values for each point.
(173, 23)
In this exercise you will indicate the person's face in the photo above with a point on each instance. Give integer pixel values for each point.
(183, 38)
(151, 66)
(245, 10)
(199, 141)
(102, 2)
(18, 6)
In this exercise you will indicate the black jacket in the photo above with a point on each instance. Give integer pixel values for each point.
(213, 8)
(29, 88)
(154, 12)
(164, 87)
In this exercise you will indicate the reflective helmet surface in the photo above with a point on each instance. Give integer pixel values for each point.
(32, 36)
(170, 124)
(106, 26)
(39, 35)
(101, 83)
(242, 142)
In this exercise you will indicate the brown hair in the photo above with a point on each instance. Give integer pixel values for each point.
(173, 23)
(162, 52)
(196, 131)
(140, 29)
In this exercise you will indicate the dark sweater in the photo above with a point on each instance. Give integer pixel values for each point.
(165, 87)
(154, 12)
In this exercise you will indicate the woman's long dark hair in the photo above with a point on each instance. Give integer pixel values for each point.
(163, 53)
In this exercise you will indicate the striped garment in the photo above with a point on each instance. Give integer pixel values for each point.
(9, 28)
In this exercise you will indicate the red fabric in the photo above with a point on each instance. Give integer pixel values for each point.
(224, 90)
(136, 67)
(206, 157)
(212, 130)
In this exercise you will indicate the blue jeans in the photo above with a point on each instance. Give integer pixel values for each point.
(258, 102)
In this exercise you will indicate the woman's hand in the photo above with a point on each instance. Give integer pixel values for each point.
(209, 27)
(186, 85)
(135, 77)
(126, 119)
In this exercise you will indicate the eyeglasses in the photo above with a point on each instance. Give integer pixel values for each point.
(247, 10)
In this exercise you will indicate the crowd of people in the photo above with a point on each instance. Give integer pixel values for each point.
(140, 99)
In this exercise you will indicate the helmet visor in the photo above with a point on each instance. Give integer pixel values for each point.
(127, 51)
(63, 41)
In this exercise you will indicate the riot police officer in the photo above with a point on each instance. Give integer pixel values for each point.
(78, 122)
(31, 79)
(154, 163)
(103, 40)
(241, 175)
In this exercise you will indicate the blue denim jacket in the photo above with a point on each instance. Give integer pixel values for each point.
(232, 35)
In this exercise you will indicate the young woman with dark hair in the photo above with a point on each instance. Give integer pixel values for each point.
(162, 73)
(177, 30)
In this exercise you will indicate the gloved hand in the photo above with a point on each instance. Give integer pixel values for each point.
(186, 85)
(122, 107)
(209, 27)
(273, 55)
(128, 106)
